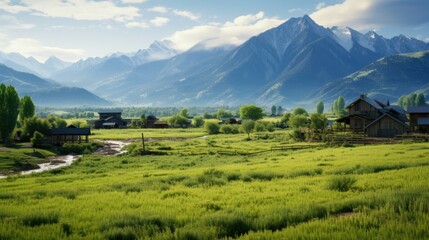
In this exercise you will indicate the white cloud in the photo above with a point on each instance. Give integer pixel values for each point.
(295, 10)
(8, 6)
(31, 47)
(320, 5)
(75, 9)
(186, 14)
(12, 22)
(159, 21)
(369, 14)
(137, 25)
(235, 32)
(158, 9)
(133, 1)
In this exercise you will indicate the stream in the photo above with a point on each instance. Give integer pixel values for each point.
(110, 148)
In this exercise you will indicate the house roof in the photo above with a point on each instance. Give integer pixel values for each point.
(109, 111)
(70, 131)
(422, 121)
(389, 116)
(420, 109)
(109, 124)
(370, 101)
(397, 109)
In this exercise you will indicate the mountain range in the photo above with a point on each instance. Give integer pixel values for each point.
(46, 92)
(296, 63)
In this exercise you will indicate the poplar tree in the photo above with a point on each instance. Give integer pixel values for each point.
(9, 109)
(27, 109)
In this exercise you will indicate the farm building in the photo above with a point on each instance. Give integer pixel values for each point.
(419, 119)
(110, 119)
(70, 134)
(375, 118)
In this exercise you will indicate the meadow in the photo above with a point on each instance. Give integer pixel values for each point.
(210, 187)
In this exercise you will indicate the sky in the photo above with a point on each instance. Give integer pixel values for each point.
(78, 29)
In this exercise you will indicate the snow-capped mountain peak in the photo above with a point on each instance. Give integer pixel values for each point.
(343, 36)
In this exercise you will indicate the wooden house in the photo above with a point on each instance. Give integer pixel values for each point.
(110, 119)
(71, 134)
(375, 118)
(419, 119)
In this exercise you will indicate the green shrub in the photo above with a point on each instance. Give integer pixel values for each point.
(79, 148)
(259, 126)
(226, 129)
(341, 183)
(211, 127)
(270, 127)
(38, 140)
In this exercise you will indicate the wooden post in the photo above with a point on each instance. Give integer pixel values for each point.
(144, 149)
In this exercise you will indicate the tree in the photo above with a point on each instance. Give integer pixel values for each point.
(251, 112)
(27, 108)
(338, 106)
(420, 100)
(285, 119)
(181, 121)
(34, 124)
(211, 127)
(184, 113)
(279, 110)
(143, 120)
(320, 107)
(198, 121)
(318, 121)
(300, 111)
(38, 140)
(56, 122)
(222, 113)
(9, 109)
(259, 126)
(247, 127)
(273, 110)
(298, 121)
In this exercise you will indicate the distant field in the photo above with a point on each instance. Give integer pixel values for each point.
(195, 192)
(148, 133)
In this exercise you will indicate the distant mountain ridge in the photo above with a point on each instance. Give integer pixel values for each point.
(282, 66)
(293, 64)
(48, 93)
(387, 78)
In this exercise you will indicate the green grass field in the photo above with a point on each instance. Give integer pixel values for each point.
(19, 157)
(194, 192)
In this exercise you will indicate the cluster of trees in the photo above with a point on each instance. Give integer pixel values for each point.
(300, 120)
(338, 106)
(276, 111)
(412, 100)
(11, 106)
(78, 115)
(247, 126)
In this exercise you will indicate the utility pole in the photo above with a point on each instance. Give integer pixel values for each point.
(144, 149)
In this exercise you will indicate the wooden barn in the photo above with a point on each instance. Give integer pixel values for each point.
(110, 119)
(419, 119)
(374, 117)
(71, 134)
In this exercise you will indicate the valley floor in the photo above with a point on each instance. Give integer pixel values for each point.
(196, 191)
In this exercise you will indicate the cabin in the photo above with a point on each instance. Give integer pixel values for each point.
(150, 121)
(160, 124)
(376, 118)
(419, 119)
(70, 134)
(110, 119)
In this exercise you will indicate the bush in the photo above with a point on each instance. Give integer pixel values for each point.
(341, 183)
(198, 122)
(270, 127)
(78, 148)
(211, 127)
(226, 129)
(259, 126)
(38, 140)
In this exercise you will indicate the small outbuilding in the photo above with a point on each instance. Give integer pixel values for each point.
(419, 119)
(71, 134)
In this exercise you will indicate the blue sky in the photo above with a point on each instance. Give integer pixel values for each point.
(76, 29)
